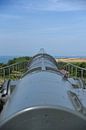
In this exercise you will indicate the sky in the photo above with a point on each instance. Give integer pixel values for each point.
(58, 26)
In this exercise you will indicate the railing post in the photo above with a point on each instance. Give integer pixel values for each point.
(76, 72)
(81, 74)
(13, 68)
(16, 67)
(66, 67)
(70, 69)
(4, 74)
(9, 72)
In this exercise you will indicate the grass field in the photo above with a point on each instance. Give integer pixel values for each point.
(72, 60)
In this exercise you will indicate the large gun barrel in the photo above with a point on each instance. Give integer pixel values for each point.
(43, 100)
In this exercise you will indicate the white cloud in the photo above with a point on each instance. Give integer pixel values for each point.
(52, 5)
(48, 5)
(65, 5)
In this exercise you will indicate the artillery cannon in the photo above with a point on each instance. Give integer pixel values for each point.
(44, 100)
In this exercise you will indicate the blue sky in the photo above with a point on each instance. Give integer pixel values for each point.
(58, 26)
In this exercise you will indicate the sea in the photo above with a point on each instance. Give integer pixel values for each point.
(5, 59)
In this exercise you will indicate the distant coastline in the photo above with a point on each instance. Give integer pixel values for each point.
(5, 59)
(65, 57)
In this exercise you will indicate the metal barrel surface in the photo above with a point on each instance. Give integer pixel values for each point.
(42, 100)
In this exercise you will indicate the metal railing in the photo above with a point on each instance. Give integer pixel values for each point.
(13, 71)
(74, 70)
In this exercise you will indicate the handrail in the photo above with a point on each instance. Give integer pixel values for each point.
(76, 66)
(7, 71)
(74, 70)
(13, 65)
